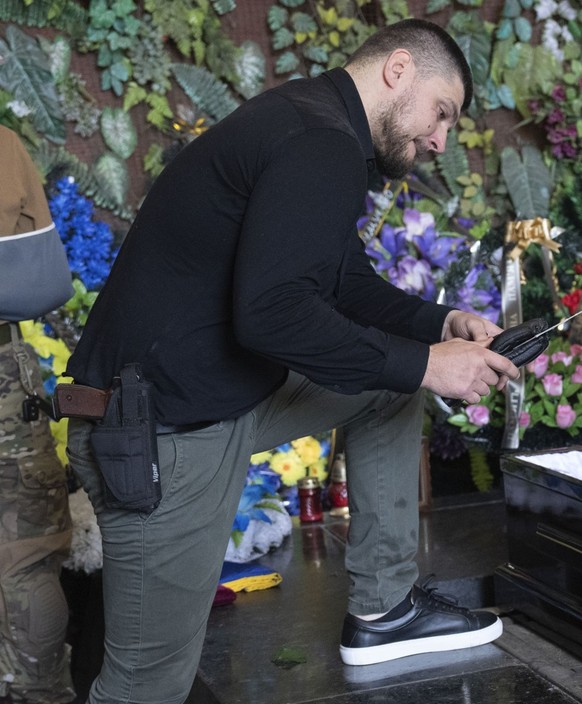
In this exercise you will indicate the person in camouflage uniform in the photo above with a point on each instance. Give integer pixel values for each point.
(35, 526)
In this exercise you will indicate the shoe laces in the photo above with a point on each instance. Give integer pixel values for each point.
(442, 601)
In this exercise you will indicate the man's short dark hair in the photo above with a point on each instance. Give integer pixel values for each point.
(431, 47)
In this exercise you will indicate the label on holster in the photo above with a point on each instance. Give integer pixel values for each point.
(125, 445)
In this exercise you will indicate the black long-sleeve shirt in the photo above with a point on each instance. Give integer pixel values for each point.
(244, 261)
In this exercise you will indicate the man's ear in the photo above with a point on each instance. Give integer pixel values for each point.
(398, 68)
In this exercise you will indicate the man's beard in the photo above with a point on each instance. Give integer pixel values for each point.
(391, 147)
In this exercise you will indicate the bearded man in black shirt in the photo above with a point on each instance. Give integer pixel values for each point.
(244, 292)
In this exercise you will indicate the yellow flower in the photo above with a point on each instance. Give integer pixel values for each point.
(59, 431)
(289, 466)
(318, 469)
(308, 448)
(261, 457)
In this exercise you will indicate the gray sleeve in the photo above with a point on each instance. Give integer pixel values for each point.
(34, 274)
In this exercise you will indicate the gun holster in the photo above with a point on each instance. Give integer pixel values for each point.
(125, 445)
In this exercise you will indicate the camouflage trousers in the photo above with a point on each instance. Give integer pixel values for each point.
(35, 534)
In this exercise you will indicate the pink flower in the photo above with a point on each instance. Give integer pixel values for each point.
(577, 375)
(576, 349)
(561, 357)
(524, 419)
(552, 384)
(478, 415)
(565, 416)
(540, 365)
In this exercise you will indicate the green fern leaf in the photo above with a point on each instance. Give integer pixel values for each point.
(453, 163)
(51, 159)
(118, 131)
(24, 74)
(205, 91)
(70, 17)
(480, 470)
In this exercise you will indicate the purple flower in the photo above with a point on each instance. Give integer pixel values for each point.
(565, 416)
(439, 251)
(577, 375)
(552, 384)
(558, 94)
(555, 116)
(478, 415)
(416, 222)
(414, 276)
(479, 294)
(524, 419)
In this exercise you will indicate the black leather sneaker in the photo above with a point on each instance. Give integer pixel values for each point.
(433, 624)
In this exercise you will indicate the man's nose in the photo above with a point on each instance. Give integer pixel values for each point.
(438, 139)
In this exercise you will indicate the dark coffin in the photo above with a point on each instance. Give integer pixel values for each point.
(543, 576)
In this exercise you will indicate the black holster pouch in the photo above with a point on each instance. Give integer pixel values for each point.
(125, 445)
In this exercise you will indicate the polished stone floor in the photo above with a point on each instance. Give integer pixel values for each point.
(462, 543)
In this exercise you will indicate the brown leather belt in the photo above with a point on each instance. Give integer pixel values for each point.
(78, 401)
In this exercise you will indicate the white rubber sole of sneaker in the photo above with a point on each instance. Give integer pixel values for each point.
(417, 646)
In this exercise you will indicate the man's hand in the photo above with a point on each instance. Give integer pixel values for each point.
(468, 326)
(461, 366)
(465, 370)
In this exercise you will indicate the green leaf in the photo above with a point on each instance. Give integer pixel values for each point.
(512, 8)
(118, 131)
(223, 6)
(250, 68)
(436, 5)
(453, 163)
(283, 38)
(277, 17)
(59, 53)
(302, 22)
(506, 97)
(111, 175)
(535, 67)
(528, 182)
(287, 62)
(315, 53)
(292, 3)
(25, 75)
(288, 656)
(504, 30)
(476, 46)
(205, 91)
(523, 29)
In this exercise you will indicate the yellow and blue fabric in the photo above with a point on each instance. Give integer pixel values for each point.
(248, 577)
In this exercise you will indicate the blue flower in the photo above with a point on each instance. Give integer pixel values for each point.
(88, 243)
(247, 510)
